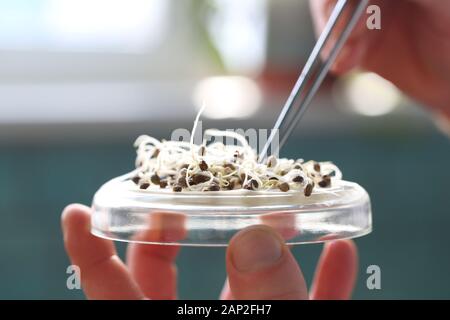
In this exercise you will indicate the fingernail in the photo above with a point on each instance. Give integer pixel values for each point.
(256, 249)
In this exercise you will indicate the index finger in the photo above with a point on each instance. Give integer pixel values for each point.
(153, 265)
(103, 274)
(352, 53)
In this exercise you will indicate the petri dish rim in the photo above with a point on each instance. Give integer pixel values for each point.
(120, 211)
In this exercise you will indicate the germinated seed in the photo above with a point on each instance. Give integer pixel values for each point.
(271, 162)
(163, 184)
(145, 185)
(284, 186)
(214, 187)
(203, 165)
(202, 151)
(198, 178)
(136, 179)
(325, 182)
(317, 167)
(155, 179)
(155, 153)
(308, 189)
(174, 165)
(235, 183)
(182, 182)
(229, 165)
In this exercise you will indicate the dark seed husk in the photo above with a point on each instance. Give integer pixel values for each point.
(317, 167)
(308, 190)
(298, 179)
(325, 182)
(198, 178)
(155, 179)
(163, 184)
(248, 186)
(214, 187)
(202, 151)
(235, 183)
(136, 179)
(155, 153)
(203, 165)
(177, 188)
(271, 162)
(274, 178)
(182, 182)
(251, 185)
(183, 172)
(284, 186)
(144, 185)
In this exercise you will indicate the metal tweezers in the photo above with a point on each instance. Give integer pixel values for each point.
(301, 95)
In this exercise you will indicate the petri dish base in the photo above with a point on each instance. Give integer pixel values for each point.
(123, 212)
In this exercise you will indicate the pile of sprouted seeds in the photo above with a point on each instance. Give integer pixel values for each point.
(183, 166)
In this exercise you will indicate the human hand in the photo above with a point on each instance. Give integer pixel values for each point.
(259, 266)
(412, 49)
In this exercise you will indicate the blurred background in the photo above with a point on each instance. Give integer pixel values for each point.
(80, 80)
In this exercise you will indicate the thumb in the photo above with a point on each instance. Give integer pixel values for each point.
(260, 266)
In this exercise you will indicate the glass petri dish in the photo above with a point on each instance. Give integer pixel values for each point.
(159, 216)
